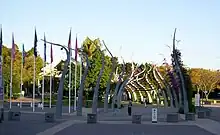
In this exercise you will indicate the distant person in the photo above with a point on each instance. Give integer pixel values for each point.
(129, 107)
(145, 102)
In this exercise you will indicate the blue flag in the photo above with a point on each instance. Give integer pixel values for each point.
(35, 44)
(23, 54)
(45, 51)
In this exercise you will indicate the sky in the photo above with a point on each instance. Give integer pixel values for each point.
(137, 30)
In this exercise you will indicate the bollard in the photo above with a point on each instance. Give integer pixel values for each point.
(201, 114)
(207, 113)
(91, 118)
(14, 116)
(172, 117)
(190, 116)
(49, 117)
(136, 119)
(1, 115)
(154, 115)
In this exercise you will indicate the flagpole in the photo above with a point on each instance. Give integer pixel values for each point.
(1, 79)
(33, 105)
(43, 87)
(80, 73)
(70, 83)
(21, 80)
(44, 72)
(50, 82)
(11, 81)
(75, 86)
(12, 59)
(70, 54)
(76, 53)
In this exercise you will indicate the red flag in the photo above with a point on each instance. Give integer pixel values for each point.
(69, 44)
(1, 42)
(13, 48)
(76, 49)
(51, 53)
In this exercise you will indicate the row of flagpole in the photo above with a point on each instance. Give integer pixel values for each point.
(44, 63)
(76, 52)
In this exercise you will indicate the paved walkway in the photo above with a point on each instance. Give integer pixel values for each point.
(33, 123)
(118, 125)
(145, 112)
(126, 128)
(30, 124)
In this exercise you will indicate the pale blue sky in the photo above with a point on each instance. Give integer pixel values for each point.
(141, 27)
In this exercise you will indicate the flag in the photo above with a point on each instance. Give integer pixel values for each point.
(23, 55)
(13, 48)
(76, 49)
(1, 42)
(35, 44)
(51, 53)
(45, 51)
(69, 44)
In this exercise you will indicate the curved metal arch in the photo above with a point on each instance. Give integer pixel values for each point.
(61, 84)
(110, 78)
(96, 90)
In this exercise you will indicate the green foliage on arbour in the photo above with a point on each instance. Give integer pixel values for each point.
(91, 47)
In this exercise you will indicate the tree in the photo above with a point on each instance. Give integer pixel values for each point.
(66, 83)
(27, 69)
(195, 74)
(208, 81)
(95, 66)
(90, 48)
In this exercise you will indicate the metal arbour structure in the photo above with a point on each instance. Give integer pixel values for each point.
(143, 81)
